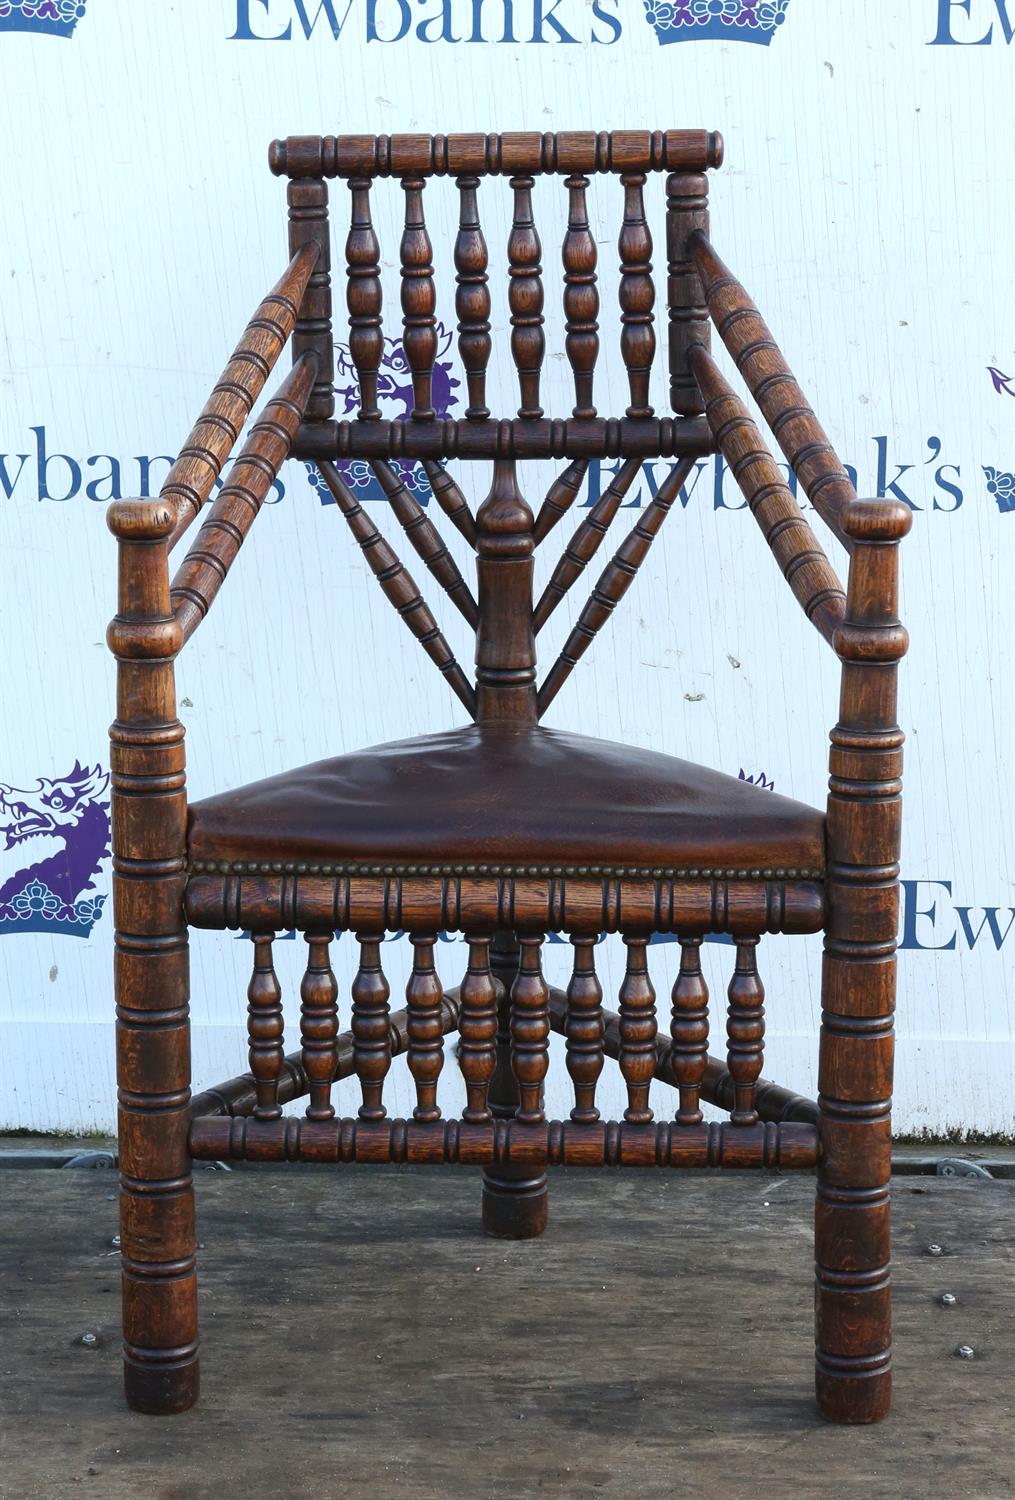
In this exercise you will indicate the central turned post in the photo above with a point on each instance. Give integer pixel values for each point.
(514, 1198)
(505, 642)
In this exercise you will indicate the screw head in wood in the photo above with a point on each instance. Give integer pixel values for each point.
(89, 1340)
(966, 1351)
(948, 1299)
(934, 1250)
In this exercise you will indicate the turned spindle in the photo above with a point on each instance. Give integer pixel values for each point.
(419, 301)
(477, 1030)
(530, 1031)
(584, 1030)
(689, 322)
(363, 298)
(319, 1026)
(265, 1029)
(637, 295)
(371, 1031)
(689, 1030)
(581, 297)
(745, 1031)
(637, 1055)
(525, 299)
(472, 299)
(423, 996)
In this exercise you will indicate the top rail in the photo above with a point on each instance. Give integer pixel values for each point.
(191, 478)
(511, 154)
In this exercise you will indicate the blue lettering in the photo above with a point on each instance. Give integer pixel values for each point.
(373, 35)
(112, 479)
(884, 488)
(244, 31)
(508, 34)
(547, 18)
(911, 912)
(944, 37)
(43, 461)
(443, 20)
(5, 479)
(989, 920)
(613, 22)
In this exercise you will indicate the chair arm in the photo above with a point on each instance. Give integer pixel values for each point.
(191, 478)
(204, 569)
(772, 503)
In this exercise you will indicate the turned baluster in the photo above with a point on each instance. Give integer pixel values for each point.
(689, 1030)
(472, 299)
(423, 996)
(581, 297)
(371, 1032)
(308, 225)
(319, 1026)
(584, 1031)
(525, 298)
(477, 1030)
(530, 1031)
(686, 212)
(637, 1055)
(363, 296)
(637, 295)
(419, 300)
(745, 1030)
(265, 1029)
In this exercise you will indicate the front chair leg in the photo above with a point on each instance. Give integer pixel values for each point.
(515, 1200)
(852, 1224)
(149, 813)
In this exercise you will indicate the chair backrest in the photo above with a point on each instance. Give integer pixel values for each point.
(504, 531)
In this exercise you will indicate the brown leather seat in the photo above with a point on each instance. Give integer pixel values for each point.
(508, 796)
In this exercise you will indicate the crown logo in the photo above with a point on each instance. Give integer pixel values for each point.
(50, 17)
(1002, 487)
(715, 20)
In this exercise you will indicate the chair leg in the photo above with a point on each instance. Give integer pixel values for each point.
(157, 1237)
(853, 1330)
(515, 1202)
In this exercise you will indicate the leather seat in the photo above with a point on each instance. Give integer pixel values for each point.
(515, 796)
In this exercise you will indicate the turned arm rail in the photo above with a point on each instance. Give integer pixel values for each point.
(214, 435)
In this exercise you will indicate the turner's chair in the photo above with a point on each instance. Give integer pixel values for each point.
(504, 830)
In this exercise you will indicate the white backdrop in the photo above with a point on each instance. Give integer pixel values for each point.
(867, 205)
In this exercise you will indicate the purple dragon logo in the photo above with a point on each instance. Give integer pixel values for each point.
(394, 393)
(55, 838)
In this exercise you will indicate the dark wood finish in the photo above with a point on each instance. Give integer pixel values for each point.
(426, 1031)
(525, 299)
(637, 1054)
(637, 295)
(371, 1026)
(689, 1031)
(566, 437)
(745, 1032)
(505, 642)
(794, 425)
(451, 500)
(853, 1233)
(585, 543)
(686, 212)
(581, 296)
(477, 1048)
(399, 587)
(151, 976)
(419, 299)
(515, 1200)
(266, 1029)
(237, 1097)
(446, 898)
(614, 582)
(472, 299)
(426, 541)
(567, 152)
(364, 298)
(193, 474)
(583, 1028)
(783, 524)
(312, 334)
(319, 1026)
(473, 830)
(508, 1143)
(204, 569)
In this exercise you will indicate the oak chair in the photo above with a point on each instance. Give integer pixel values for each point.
(505, 831)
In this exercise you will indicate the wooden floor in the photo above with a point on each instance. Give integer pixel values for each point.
(363, 1339)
